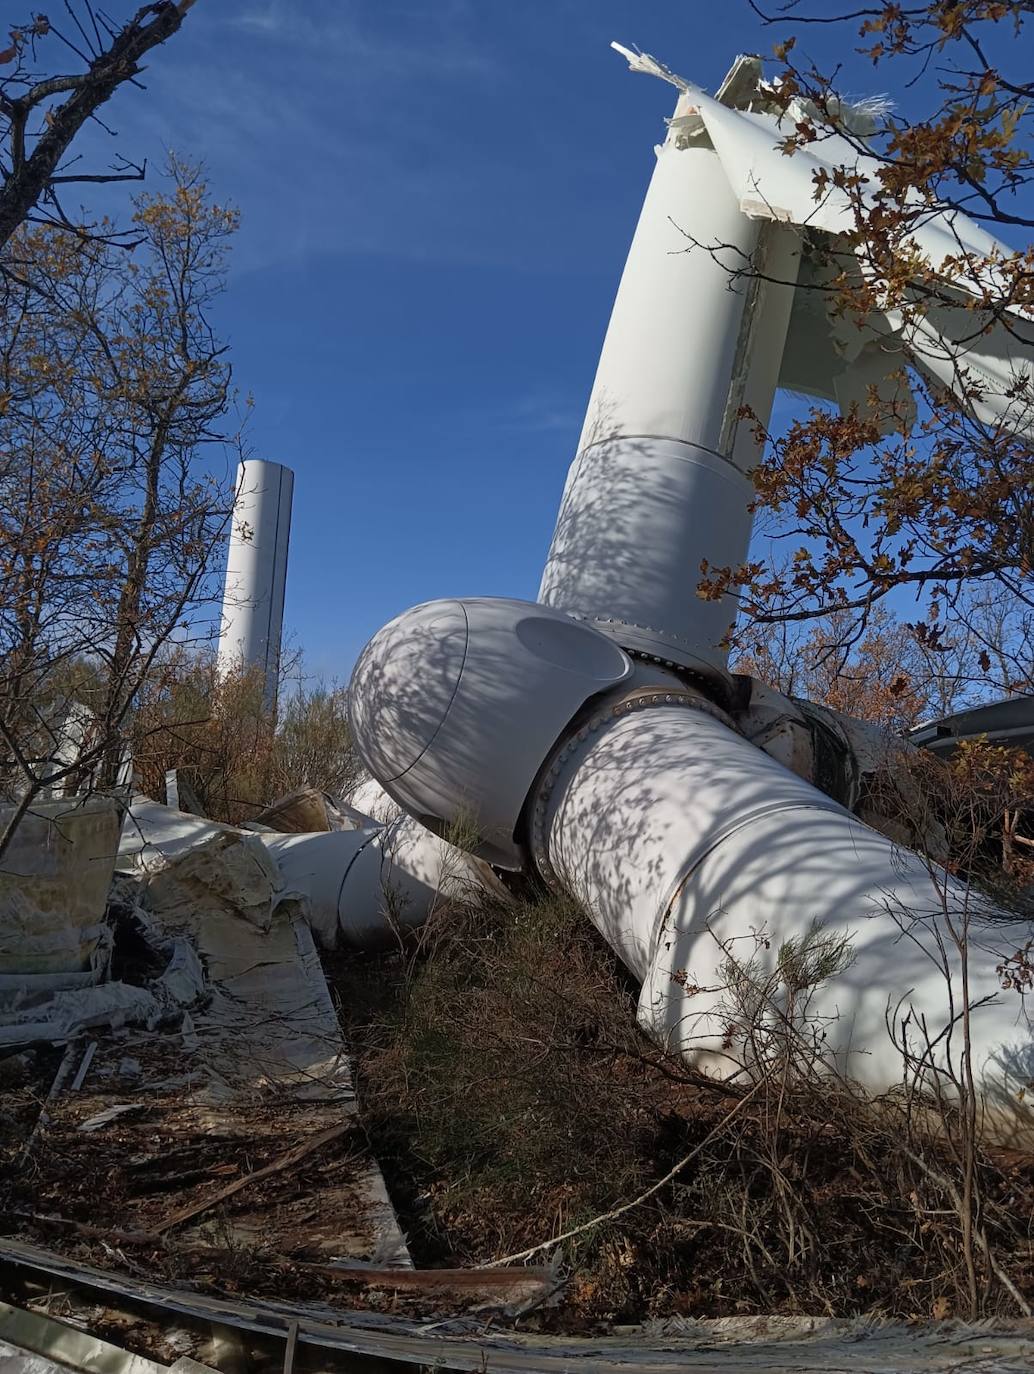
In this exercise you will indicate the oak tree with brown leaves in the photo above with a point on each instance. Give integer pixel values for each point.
(911, 509)
(118, 439)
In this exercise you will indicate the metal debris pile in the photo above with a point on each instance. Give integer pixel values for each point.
(178, 1098)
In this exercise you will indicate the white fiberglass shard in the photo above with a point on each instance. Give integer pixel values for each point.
(772, 184)
(650, 66)
(989, 362)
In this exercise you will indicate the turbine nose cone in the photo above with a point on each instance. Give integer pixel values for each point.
(456, 704)
(403, 685)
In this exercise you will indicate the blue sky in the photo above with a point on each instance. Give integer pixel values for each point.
(437, 199)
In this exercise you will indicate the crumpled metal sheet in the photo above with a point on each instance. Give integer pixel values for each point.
(228, 873)
(32, 1015)
(63, 1015)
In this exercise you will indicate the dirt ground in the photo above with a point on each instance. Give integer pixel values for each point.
(508, 1098)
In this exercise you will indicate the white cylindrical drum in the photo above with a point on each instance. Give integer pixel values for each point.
(638, 517)
(256, 571)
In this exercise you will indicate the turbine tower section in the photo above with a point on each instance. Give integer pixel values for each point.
(256, 573)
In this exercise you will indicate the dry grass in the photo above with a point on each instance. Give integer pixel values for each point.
(217, 730)
(509, 1098)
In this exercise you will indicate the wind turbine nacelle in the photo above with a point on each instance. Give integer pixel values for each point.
(456, 704)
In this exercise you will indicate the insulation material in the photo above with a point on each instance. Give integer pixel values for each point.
(226, 874)
(64, 1015)
(54, 881)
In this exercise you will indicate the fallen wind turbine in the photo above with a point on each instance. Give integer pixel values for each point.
(596, 740)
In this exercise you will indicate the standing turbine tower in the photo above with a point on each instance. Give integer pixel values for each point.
(256, 573)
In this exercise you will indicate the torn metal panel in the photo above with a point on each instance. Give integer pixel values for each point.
(153, 833)
(269, 1023)
(64, 1015)
(33, 1014)
(736, 1345)
(771, 185)
(357, 884)
(308, 811)
(1009, 722)
(985, 362)
(228, 874)
(229, 1105)
(42, 1343)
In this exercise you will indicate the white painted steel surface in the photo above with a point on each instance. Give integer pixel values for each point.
(364, 887)
(659, 482)
(256, 571)
(455, 704)
(682, 839)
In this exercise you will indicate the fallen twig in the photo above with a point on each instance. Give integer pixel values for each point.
(284, 1162)
(522, 1255)
(105, 1233)
(979, 1235)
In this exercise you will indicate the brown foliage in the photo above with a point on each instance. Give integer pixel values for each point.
(510, 1098)
(113, 390)
(217, 731)
(877, 674)
(875, 503)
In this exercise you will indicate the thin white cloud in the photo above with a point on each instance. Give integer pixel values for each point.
(356, 127)
(536, 412)
(350, 31)
(311, 120)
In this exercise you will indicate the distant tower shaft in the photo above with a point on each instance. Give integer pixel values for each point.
(256, 572)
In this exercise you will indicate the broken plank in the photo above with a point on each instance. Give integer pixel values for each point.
(285, 1161)
(84, 1228)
